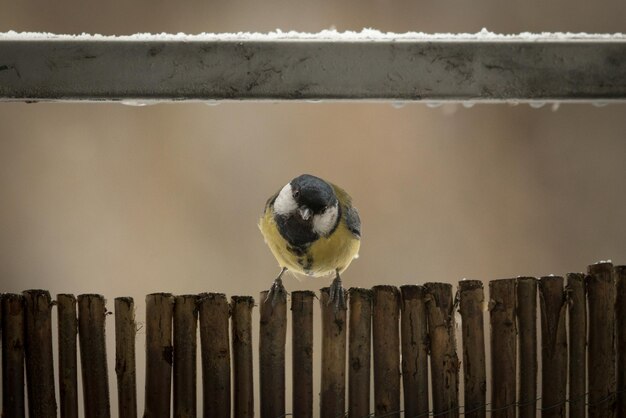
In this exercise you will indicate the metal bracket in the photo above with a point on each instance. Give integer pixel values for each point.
(153, 69)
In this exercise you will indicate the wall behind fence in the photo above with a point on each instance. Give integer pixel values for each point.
(402, 342)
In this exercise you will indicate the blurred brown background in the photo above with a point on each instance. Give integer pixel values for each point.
(131, 200)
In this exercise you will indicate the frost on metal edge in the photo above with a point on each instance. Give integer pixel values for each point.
(325, 35)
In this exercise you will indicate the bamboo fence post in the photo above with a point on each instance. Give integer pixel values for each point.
(359, 352)
(38, 351)
(13, 356)
(302, 346)
(386, 346)
(527, 328)
(215, 343)
(242, 356)
(272, 339)
(68, 355)
(553, 347)
(93, 358)
(159, 350)
(471, 303)
(601, 353)
(415, 346)
(503, 347)
(620, 315)
(577, 311)
(333, 384)
(125, 369)
(185, 347)
(444, 362)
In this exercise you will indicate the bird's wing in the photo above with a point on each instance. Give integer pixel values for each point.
(351, 214)
(266, 217)
(353, 221)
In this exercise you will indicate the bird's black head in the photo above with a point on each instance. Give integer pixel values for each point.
(313, 193)
(305, 209)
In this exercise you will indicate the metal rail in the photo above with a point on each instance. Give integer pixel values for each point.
(579, 70)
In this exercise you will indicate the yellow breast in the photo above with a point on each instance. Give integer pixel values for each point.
(323, 257)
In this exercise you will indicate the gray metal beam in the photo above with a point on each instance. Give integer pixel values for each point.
(401, 70)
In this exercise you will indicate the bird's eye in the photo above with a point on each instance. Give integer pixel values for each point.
(296, 193)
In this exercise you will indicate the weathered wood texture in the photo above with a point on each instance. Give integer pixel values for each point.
(13, 402)
(527, 329)
(415, 347)
(93, 356)
(577, 312)
(386, 343)
(444, 362)
(302, 353)
(272, 339)
(620, 315)
(471, 307)
(185, 347)
(411, 329)
(242, 356)
(359, 352)
(38, 351)
(601, 340)
(553, 347)
(214, 312)
(502, 302)
(68, 355)
(333, 383)
(159, 351)
(125, 366)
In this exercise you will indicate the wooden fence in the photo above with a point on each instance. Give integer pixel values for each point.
(406, 330)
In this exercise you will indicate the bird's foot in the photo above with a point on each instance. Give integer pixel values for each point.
(277, 292)
(337, 295)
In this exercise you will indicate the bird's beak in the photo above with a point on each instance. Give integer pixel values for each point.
(305, 212)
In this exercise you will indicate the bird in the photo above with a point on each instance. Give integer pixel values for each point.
(311, 228)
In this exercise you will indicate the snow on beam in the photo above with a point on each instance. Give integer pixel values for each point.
(328, 66)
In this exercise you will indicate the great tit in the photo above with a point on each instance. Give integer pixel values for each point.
(311, 228)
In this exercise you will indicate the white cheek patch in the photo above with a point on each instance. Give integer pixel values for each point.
(324, 223)
(285, 203)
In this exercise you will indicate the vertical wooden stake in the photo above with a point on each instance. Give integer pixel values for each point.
(471, 306)
(125, 369)
(415, 346)
(333, 385)
(553, 347)
(68, 355)
(359, 349)
(302, 346)
(444, 363)
(215, 343)
(601, 354)
(577, 344)
(13, 356)
(38, 350)
(503, 347)
(185, 347)
(620, 315)
(386, 344)
(527, 326)
(159, 350)
(93, 358)
(272, 338)
(242, 356)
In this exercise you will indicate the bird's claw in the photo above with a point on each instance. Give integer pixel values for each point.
(277, 292)
(337, 295)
